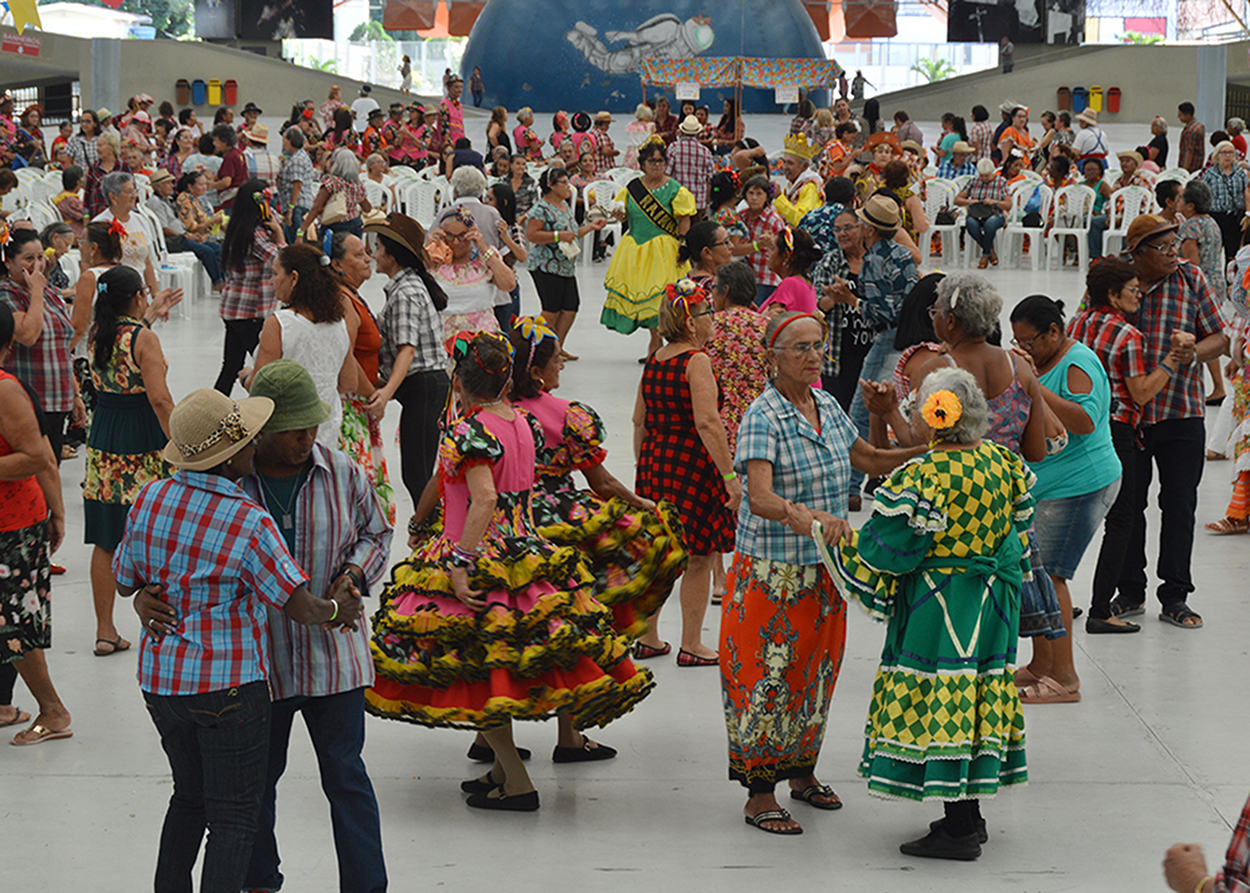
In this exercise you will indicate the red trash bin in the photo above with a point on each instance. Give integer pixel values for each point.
(231, 90)
(1113, 99)
(1063, 99)
(182, 92)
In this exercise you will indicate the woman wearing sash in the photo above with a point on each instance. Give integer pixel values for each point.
(659, 210)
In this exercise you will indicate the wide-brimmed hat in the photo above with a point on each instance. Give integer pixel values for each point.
(257, 133)
(144, 97)
(690, 126)
(102, 115)
(252, 107)
(159, 176)
(1131, 153)
(1145, 226)
(1007, 106)
(206, 428)
(880, 212)
(883, 138)
(1089, 116)
(396, 107)
(404, 230)
(294, 396)
(962, 148)
(601, 117)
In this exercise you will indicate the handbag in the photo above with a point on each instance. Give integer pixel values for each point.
(335, 210)
(945, 217)
(981, 211)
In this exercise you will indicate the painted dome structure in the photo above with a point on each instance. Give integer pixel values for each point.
(549, 54)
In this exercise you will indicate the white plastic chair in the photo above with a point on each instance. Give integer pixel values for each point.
(1074, 208)
(419, 198)
(144, 187)
(1015, 227)
(601, 193)
(940, 194)
(182, 270)
(1179, 174)
(1124, 206)
(378, 195)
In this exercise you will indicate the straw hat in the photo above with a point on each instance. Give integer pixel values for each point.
(159, 176)
(880, 212)
(1146, 226)
(690, 126)
(961, 148)
(402, 229)
(603, 117)
(294, 396)
(258, 133)
(1089, 116)
(1133, 154)
(206, 428)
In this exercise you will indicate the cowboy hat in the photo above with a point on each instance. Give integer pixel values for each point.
(1146, 226)
(962, 148)
(880, 212)
(206, 428)
(252, 107)
(402, 229)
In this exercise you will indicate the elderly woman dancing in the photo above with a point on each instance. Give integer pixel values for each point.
(941, 560)
(784, 628)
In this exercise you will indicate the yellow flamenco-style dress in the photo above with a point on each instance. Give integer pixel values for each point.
(644, 262)
(542, 644)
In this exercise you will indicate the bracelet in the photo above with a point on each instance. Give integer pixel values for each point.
(489, 253)
(415, 529)
(462, 558)
(336, 610)
(357, 578)
(1202, 883)
(755, 246)
(1168, 369)
(732, 476)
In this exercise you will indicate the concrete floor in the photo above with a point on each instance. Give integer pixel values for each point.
(1147, 759)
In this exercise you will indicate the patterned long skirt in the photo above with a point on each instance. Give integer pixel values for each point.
(783, 634)
(361, 438)
(25, 587)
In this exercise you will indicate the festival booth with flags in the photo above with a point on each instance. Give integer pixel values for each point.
(783, 76)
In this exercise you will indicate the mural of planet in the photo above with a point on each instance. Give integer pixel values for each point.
(584, 54)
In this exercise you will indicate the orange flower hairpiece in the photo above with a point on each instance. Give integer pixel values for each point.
(942, 410)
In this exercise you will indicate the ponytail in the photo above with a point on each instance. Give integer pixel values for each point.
(115, 290)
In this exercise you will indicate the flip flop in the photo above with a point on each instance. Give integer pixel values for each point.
(1048, 691)
(817, 790)
(772, 815)
(19, 718)
(117, 647)
(42, 734)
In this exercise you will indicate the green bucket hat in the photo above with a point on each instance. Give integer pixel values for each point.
(295, 401)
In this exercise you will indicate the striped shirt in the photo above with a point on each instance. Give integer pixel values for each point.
(220, 560)
(338, 521)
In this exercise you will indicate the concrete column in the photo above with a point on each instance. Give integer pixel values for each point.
(106, 74)
(1212, 86)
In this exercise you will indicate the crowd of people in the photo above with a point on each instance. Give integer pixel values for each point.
(800, 370)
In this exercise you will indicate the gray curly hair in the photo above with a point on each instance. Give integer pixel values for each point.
(971, 301)
(467, 180)
(974, 420)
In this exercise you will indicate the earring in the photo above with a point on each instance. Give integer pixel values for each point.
(539, 379)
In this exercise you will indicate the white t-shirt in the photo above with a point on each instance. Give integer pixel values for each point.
(362, 107)
(1090, 141)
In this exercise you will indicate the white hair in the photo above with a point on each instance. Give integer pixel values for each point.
(971, 301)
(345, 165)
(113, 184)
(468, 181)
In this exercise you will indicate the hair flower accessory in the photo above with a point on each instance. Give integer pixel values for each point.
(4, 232)
(942, 410)
(262, 199)
(534, 329)
(116, 229)
(684, 293)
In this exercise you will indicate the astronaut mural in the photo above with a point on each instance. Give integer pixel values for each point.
(571, 54)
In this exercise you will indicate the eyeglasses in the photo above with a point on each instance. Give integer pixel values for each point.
(1025, 345)
(934, 312)
(656, 160)
(722, 242)
(1132, 289)
(804, 347)
(849, 228)
(1169, 248)
(456, 237)
(707, 312)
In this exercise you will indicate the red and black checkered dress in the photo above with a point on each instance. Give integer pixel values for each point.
(673, 463)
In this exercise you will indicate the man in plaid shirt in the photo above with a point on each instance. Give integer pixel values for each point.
(1178, 313)
(690, 163)
(605, 149)
(1192, 149)
(1186, 868)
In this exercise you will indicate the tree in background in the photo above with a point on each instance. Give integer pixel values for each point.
(934, 69)
(173, 17)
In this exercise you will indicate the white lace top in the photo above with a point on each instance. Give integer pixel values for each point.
(320, 347)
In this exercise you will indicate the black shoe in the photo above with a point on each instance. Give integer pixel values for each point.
(584, 754)
(518, 803)
(937, 844)
(481, 753)
(1095, 625)
(478, 785)
(983, 835)
(1077, 612)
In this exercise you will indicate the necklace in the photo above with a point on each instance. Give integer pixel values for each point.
(288, 522)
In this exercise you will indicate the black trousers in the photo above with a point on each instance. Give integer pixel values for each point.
(1177, 447)
(423, 396)
(242, 336)
(57, 421)
(1117, 529)
(1230, 230)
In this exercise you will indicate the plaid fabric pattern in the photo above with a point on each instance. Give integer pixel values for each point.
(354, 189)
(981, 136)
(93, 193)
(1180, 303)
(948, 171)
(690, 163)
(1234, 877)
(886, 277)
(604, 159)
(1192, 147)
(83, 150)
(767, 222)
(220, 560)
(46, 365)
(1228, 191)
(818, 223)
(989, 191)
(247, 293)
(1119, 346)
(409, 317)
(338, 520)
(296, 168)
(262, 164)
(673, 464)
(809, 467)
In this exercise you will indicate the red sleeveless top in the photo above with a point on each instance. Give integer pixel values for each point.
(21, 502)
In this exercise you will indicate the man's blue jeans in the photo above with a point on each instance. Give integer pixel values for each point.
(879, 365)
(336, 725)
(983, 231)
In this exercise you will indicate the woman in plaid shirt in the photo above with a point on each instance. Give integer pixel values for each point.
(763, 224)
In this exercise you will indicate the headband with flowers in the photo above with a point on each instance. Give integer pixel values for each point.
(262, 199)
(683, 294)
(464, 344)
(942, 410)
(535, 330)
(651, 142)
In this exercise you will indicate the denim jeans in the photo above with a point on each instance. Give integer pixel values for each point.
(1097, 226)
(982, 231)
(336, 725)
(1118, 528)
(217, 745)
(879, 365)
(1065, 527)
(1176, 446)
(208, 253)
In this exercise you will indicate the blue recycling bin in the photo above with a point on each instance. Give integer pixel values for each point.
(199, 91)
(1080, 95)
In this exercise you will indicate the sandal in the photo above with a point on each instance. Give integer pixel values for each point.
(20, 717)
(810, 792)
(1177, 613)
(1121, 608)
(1213, 456)
(686, 659)
(772, 815)
(1048, 691)
(115, 645)
(1228, 526)
(645, 652)
(983, 263)
(1024, 677)
(42, 733)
